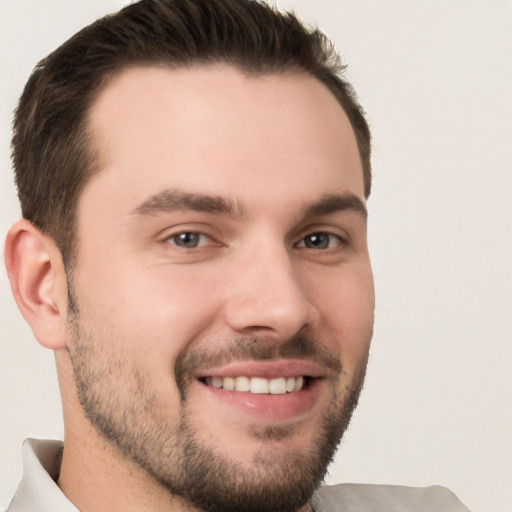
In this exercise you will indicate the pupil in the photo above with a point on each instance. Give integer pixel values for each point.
(317, 241)
(188, 239)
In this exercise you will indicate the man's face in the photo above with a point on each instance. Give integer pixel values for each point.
(222, 245)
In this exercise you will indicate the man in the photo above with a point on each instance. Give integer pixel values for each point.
(193, 178)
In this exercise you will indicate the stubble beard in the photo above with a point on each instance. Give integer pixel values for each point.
(127, 414)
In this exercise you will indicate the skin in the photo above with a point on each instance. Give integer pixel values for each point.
(273, 148)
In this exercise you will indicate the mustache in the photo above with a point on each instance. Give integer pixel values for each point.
(253, 348)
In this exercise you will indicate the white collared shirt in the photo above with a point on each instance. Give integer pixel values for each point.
(38, 491)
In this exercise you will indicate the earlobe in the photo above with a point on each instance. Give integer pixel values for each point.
(38, 282)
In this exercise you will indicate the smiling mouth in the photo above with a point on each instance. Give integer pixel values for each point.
(259, 385)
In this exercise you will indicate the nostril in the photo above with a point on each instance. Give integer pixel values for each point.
(258, 329)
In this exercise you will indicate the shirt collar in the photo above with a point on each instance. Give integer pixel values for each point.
(38, 490)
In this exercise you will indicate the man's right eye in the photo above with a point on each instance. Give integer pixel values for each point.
(189, 240)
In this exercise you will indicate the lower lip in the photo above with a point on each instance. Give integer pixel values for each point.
(267, 407)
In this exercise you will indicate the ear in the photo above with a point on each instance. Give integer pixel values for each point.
(38, 282)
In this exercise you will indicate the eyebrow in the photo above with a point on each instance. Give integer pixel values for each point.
(172, 200)
(333, 203)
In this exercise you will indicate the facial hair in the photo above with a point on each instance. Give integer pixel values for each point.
(117, 397)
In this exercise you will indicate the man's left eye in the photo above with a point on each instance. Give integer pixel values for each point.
(189, 240)
(320, 241)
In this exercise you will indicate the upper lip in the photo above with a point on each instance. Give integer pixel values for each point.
(265, 369)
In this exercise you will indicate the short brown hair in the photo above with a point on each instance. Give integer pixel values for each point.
(52, 153)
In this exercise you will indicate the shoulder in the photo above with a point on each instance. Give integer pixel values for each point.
(392, 498)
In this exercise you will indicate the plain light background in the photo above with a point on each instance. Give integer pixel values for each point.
(436, 80)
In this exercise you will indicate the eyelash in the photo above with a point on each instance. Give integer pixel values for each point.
(197, 240)
(194, 235)
(315, 238)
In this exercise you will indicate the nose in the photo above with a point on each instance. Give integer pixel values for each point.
(268, 296)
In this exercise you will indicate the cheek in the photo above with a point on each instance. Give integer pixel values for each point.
(348, 313)
(162, 308)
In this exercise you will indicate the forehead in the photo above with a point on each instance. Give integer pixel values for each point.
(219, 130)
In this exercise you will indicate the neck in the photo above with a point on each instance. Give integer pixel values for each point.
(95, 477)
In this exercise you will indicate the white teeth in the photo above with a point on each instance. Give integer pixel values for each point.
(217, 382)
(242, 384)
(277, 386)
(228, 383)
(258, 385)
